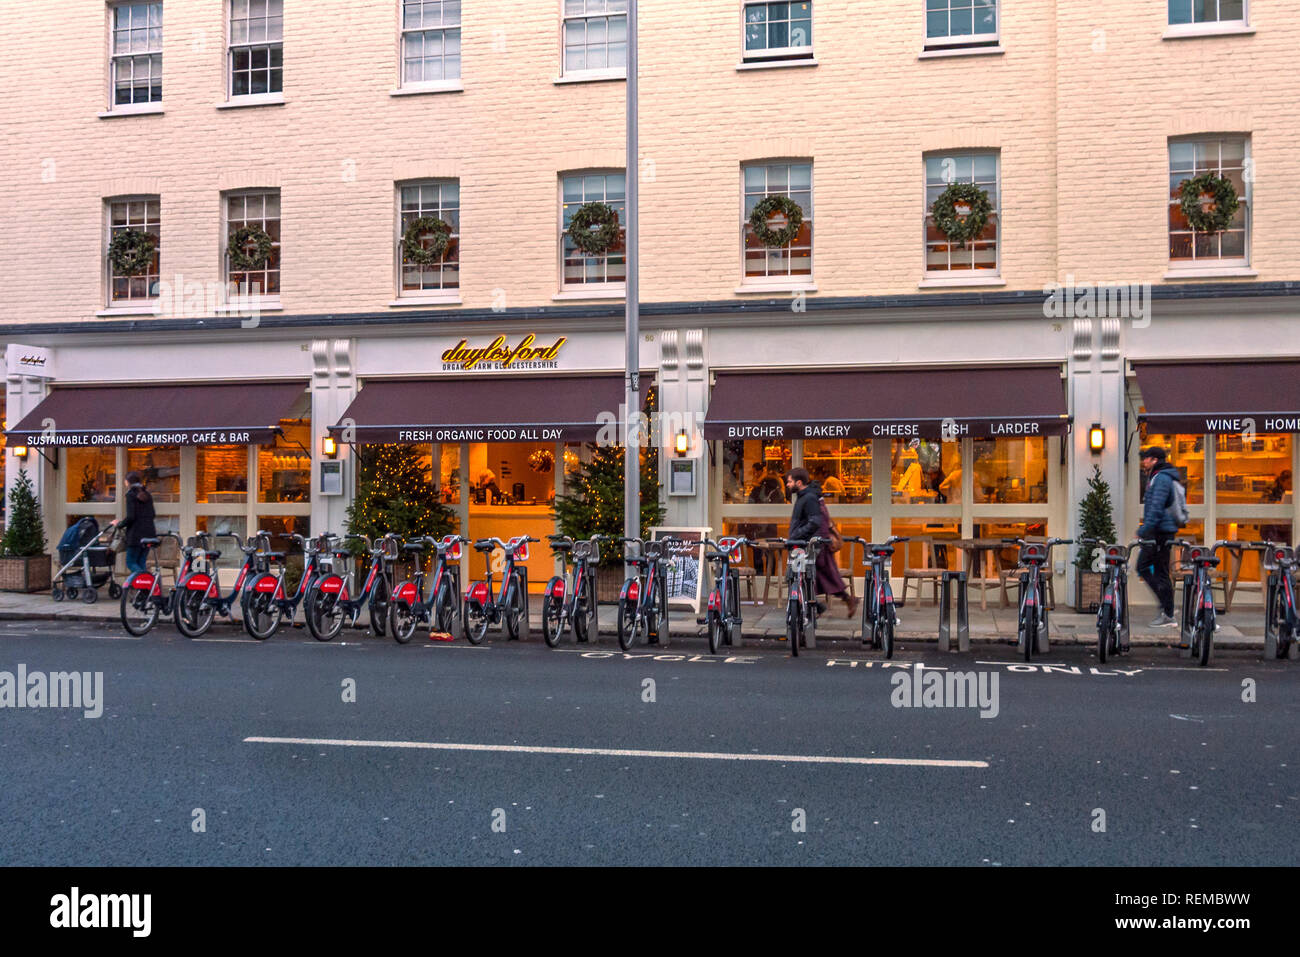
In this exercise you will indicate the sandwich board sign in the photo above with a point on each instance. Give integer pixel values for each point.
(685, 573)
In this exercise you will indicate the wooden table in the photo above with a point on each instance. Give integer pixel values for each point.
(977, 551)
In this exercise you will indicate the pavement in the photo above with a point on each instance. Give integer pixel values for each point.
(1242, 628)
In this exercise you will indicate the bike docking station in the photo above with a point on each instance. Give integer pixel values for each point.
(945, 611)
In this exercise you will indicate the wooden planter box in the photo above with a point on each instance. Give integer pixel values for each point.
(1087, 591)
(25, 574)
(609, 582)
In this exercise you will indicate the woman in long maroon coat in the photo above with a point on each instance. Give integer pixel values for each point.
(808, 521)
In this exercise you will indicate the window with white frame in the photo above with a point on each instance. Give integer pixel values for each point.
(432, 200)
(778, 30)
(960, 22)
(430, 41)
(140, 215)
(1226, 156)
(583, 268)
(262, 210)
(793, 181)
(944, 256)
(256, 50)
(595, 35)
(136, 59)
(1184, 12)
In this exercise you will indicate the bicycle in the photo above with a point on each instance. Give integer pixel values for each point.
(1031, 620)
(200, 598)
(723, 611)
(643, 601)
(879, 616)
(571, 600)
(266, 607)
(1198, 623)
(441, 609)
(1113, 611)
(483, 607)
(801, 581)
(143, 602)
(1281, 615)
(329, 604)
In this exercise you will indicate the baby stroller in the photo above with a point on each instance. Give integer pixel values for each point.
(87, 564)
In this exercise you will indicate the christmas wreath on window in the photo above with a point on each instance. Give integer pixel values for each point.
(768, 208)
(961, 212)
(1209, 202)
(594, 228)
(130, 252)
(414, 248)
(542, 461)
(249, 248)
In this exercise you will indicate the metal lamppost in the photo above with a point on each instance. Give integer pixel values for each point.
(632, 330)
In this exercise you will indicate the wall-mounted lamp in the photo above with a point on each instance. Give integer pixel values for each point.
(20, 451)
(330, 446)
(683, 443)
(1096, 438)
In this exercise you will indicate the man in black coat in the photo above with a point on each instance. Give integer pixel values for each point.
(808, 520)
(138, 522)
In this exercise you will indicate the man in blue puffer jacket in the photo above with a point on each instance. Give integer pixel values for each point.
(1158, 523)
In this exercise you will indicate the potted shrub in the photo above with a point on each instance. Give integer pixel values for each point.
(24, 562)
(593, 504)
(1096, 520)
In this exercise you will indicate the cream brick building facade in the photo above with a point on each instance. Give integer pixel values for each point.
(1077, 101)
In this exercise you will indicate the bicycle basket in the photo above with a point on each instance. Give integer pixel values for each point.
(585, 548)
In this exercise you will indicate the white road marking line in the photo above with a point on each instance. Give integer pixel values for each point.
(448, 644)
(1186, 668)
(114, 637)
(621, 752)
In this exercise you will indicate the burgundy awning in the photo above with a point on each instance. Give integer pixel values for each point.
(976, 401)
(491, 409)
(240, 413)
(1220, 396)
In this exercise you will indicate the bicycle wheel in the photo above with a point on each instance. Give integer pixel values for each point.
(584, 610)
(139, 613)
(715, 630)
(324, 615)
(1205, 638)
(516, 617)
(379, 601)
(1277, 627)
(1026, 634)
(733, 611)
(193, 615)
(474, 622)
(402, 620)
(1105, 632)
(887, 636)
(446, 610)
(552, 620)
(794, 619)
(261, 613)
(629, 623)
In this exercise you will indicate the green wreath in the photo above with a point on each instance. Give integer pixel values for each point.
(241, 260)
(958, 227)
(131, 252)
(594, 228)
(1218, 216)
(414, 249)
(768, 207)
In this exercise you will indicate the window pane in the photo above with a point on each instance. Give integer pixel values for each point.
(1010, 470)
(842, 467)
(91, 475)
(284, 468)
(755, 472)
(925, 472)
(1252, 472)
(222, 473)
(1187, 454)
(160, 468)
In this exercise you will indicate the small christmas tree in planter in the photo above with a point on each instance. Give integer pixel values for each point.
(1096, 520)
(25, 565)
(396, 492)
(593, 504)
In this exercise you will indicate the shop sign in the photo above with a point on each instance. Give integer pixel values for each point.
(499, 355)
(29, 361)
(51, 438)
(472, 434)
(949, 429)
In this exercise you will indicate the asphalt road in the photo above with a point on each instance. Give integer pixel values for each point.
(1183, 769)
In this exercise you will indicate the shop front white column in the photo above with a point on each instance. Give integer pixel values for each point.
(683, 397)
(333, 387)
(22, 394)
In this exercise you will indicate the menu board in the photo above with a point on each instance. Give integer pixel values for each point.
(685, 572)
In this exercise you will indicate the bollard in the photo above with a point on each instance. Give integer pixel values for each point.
(945, 612)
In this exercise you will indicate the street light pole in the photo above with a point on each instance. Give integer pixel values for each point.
(632, 323)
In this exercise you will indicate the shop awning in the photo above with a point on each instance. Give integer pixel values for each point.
(976, 401)
(488, 409)
(1220, 396)
(241, 413)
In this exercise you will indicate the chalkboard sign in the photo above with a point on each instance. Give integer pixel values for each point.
(685, 564)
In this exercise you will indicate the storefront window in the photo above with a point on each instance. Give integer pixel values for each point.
(449, 474)
(91, 475)
(1252, 471)
(1187, 454)
(754, 471)
(284, 467)
(1010, 470)
(281, 527)
(223, 525)
(925, 472)
(930, 546)
(222, 473)
(842, 467)
(1261, 531)
(160, 466)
